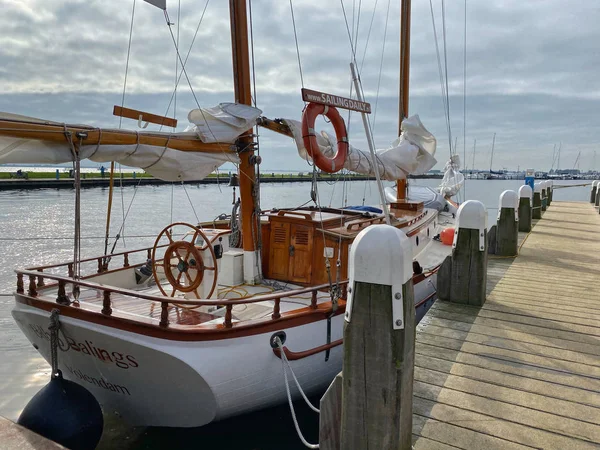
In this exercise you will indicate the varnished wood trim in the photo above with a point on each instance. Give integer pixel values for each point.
(147, 327)
(144, 116)
(293, 356)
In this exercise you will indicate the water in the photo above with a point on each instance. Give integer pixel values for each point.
(36, 228)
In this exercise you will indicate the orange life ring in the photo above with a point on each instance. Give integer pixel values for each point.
(329, 165)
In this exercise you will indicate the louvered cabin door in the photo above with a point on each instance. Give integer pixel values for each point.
(279, 261)
(300, 252)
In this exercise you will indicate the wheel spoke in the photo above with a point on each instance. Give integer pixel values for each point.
(173, 293)
(197, 293)
(168, 234)
(209, 268)
(188, 277)
(179, 277)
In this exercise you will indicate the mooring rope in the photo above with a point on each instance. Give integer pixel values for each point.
(289, 395)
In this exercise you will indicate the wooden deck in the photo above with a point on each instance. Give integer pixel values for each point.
(523, 371)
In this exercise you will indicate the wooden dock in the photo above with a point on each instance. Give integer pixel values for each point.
(523, 371)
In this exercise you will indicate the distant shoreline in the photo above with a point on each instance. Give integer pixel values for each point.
(94, 180)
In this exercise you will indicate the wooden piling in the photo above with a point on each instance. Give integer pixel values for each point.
(537, 201)
(507, 233)
(379, 339)
(462, 276)
(597, 199)
(549, 191)
(593, 192)
(525, 208)
(544, 196)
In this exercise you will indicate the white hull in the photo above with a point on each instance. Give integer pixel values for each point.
(158, 382)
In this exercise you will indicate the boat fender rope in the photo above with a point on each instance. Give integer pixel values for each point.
(284, 361)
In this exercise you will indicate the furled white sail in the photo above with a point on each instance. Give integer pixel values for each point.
(411, 153)
(160, 162)
(222, 123)
(453, 179)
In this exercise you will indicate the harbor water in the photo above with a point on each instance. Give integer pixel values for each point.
(36, 228)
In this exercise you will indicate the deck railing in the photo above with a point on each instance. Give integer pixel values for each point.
(106, 291)
(101, 263)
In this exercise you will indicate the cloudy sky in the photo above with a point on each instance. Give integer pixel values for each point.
(532, 68)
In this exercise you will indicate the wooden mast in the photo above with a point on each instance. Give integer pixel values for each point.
(404, 78)
(241, 81)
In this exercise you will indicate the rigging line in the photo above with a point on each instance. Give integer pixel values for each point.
(190, 200)
(186, 57)
(369, 34)
(127, 62)
(440, 70)
(194, 94)
(465, 103)
(297, 48)
(357, 29)
(381, 65)
(348, 31)
(176, 70)
(253, 64)
(446, 68)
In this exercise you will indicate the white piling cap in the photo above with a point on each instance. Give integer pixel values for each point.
(594, 183)
(471, 215)
(537, 187)
(380, 254)
(508, 199)
(547, 184)
(525, 191)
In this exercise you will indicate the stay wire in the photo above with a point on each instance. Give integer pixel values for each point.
(297, 47)
(127, 62)
(186, 58)
(387, 16)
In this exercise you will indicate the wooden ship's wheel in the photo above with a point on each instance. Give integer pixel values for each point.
(182, 263)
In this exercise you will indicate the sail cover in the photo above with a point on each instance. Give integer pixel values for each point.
(411, 153)
(222, 123)
(159, 161)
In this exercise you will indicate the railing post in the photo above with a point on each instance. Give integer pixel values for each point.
(276, 314)
(32, 286)
(164, 314)
(100, 265)
(593, 193)
(228, 309)
(126, 260)
(462, 277)
(525, 194)
(20, 287)
(62, 298)
(148, 253)
(70, 268)
(377, 375)
(536, 213)
(106, 309)
(40, 281)
(313, 300)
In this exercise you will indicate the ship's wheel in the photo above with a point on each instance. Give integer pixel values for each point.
(182, 262)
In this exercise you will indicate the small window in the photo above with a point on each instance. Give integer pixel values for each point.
(427, 232)
(417, 241)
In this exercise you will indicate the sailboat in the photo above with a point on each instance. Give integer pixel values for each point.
(181, 333)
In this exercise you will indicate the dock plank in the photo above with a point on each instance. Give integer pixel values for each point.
(522, 371)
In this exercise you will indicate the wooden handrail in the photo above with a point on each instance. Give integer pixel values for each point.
(160, 299)
(293, 356)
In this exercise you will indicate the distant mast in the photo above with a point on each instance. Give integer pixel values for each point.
(404, 78)
(492, 157)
